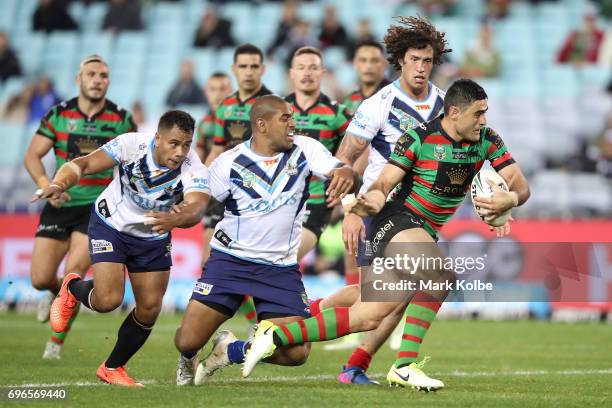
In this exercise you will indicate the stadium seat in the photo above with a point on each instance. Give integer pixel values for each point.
(29, 49)
(333, 57)
(204, 61)
(95, 43)
(12, 138)
(275, 77)
(7, 17)
(93, 17)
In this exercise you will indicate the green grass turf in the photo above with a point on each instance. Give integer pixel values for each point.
(484, 364)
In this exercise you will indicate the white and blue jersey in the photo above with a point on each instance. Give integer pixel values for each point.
(265, 199)
(141, 185)
(385, 116)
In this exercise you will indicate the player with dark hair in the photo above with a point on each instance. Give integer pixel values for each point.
(264, 184)
(414, 47)
(232, 125)
(232, 122)
(130, 229)
(435, 163)
(322, 119)
(73, 128)
(370, 64)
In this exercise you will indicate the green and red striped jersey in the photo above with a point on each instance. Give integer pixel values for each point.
(440, 170)
(354, 99)
(75, 135)
(205, 132)
(325, 121)
(232, 125)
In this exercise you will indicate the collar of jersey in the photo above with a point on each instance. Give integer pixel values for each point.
(429, 88)
(324, 99)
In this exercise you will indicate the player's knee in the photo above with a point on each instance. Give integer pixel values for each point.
(298, 355)
(41, 283)
(148, 313)
(108, 303)
(182, 341)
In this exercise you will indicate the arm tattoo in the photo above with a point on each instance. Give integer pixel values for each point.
(351, 148)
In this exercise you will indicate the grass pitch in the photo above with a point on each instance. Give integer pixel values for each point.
(484, 364)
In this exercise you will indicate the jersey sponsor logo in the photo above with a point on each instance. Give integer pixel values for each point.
(223, 238)
(82, 145)
(358, 120)
(100, 246)
(301, 121)
(269, 163)
(108, 128)
(145, 203)
(237, 130)
(265, 206)
(452, 179)
(440, 152)
(422, 107)
(90, 128)
(203, 288)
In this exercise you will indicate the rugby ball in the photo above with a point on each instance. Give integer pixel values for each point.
(480, 188)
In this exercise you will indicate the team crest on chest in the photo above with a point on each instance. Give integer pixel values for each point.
(291, 169)
(248, 180)
(440, 152)
(72, 125)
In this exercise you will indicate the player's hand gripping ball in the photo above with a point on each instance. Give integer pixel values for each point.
(481, 188)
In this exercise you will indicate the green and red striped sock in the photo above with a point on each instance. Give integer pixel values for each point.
(247, 308)
(420, 313)
(59, 337)
(327, 325)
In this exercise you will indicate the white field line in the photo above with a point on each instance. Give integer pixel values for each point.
(328, 377)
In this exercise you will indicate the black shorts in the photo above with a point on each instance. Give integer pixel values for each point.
(59, 223)
(391, 220)
(213, 214)
(316, 218)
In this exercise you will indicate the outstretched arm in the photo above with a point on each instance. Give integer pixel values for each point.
(70, 173)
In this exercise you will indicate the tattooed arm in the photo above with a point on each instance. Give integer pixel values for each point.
(351, 148)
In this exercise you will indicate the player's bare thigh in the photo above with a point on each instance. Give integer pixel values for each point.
(289, 355)
(78, 260)
(198, 325)
(47, 256)
(365, 316)
(109, 286)
(307, 243)
(149, 289)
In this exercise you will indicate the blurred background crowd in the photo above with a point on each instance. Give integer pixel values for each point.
(546, 66)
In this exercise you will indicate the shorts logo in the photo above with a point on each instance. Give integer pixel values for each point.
(203, 288)
(100, 246)
(168, 249)
(380, 234)
(368, 248)
(305, 298)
